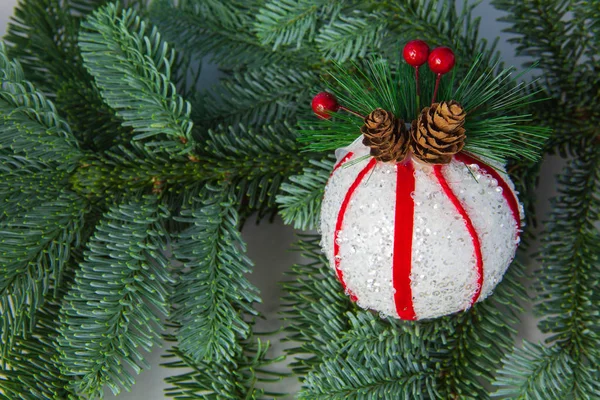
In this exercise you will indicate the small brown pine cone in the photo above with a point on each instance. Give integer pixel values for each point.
(438, 133)
(386, 135)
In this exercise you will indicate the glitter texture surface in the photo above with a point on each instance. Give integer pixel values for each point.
(443, 273)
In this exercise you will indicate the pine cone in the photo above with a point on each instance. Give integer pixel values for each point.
(438, 133)
(385, 135)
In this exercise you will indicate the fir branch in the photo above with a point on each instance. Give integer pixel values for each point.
(546, 29)
(243, 378)
(568, 258)
(95, 124)
(289, 22)
(567, 292)
(30, 125)
(32, 372)
(314, 308)
(370, 334)
(560, 35)
(43, 37)
(300, 198)
(254, 163)
(26, 184)
(213, 294)
(35, 248)
(113, 308)
(85, 7)
(132, 66)
(352, 35)
(534, 370)
(255, 97)
(385, 377)
(227, 41)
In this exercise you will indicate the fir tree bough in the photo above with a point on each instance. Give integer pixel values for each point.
(124, 186)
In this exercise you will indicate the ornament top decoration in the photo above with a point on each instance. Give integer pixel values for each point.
(419, 218)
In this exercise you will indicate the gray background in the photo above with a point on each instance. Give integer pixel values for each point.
(269, 244)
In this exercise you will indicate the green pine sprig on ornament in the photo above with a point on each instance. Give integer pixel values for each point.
(492, 99)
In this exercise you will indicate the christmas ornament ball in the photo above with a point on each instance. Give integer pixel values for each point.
(323, 104)
(413, 240)
(441, 60)
(415, 53)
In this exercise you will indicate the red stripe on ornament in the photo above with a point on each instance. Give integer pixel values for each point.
(340, 223)
(403, 234)
(338, 165)
(507, 192)
(474, 237)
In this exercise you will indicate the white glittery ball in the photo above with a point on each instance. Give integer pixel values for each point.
(417, 241)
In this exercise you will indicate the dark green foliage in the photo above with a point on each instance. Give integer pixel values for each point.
(384, 377)
(43, 35)
(567, 294)
(40, 217)
(257, 97)
(34, 252)
(561, 34)
(94, 123)
(224, 37)
(300, 200)
(117, 45)
(31, 126)
(213, 295)
(241, 378)
(352, 34)
(33, 372)
(120, 292)
(535, 369)
(288, 22)
(570, 256)
(254, 164)
(130, 155)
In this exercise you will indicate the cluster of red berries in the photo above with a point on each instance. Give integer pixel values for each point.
(416, 53)
(441, 59)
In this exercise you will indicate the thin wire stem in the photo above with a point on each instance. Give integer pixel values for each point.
(418, 87)
(437, 86)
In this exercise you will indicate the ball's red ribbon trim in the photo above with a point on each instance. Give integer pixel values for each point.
(474, 237)
(403, 234)
(340, 222)
(342, 161)
(507, 192)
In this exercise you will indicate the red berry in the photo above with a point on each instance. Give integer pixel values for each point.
(323, 104)
(415, 53)
(441, 60)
